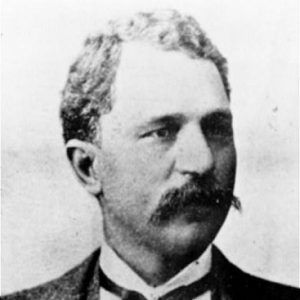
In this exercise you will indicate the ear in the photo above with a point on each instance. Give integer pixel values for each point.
(84, 158)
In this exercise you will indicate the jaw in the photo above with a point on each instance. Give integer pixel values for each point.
(159, 252)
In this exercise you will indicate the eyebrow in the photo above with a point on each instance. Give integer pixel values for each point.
(179, 118)
(175, 119)
(217, 115)
(165, 119)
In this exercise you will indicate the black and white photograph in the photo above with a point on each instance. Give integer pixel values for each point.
(150, 150)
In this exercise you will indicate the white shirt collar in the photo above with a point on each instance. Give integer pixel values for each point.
(119, 272)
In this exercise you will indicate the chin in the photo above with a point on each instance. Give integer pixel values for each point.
(186, 240)
(184, 237)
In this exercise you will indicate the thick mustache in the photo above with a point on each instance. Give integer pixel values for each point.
(194, 193)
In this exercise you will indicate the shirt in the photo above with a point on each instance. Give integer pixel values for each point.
(120, 273)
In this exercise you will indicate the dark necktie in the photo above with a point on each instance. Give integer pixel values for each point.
(188, 292)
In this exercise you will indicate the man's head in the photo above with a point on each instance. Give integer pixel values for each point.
(148, 130)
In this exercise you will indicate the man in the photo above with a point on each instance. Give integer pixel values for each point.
(148, 131)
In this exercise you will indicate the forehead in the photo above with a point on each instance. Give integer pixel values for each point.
(151, 82)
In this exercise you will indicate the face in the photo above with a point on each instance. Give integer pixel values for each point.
(167, 158)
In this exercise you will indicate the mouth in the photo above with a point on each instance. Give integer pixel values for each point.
(194, 206)
(199, 212)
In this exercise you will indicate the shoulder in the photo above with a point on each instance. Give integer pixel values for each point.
(81, 282)
(268, 290)
(240, 285)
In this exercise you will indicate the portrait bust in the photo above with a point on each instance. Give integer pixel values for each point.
(148, 130)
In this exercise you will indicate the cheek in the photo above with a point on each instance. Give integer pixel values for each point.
(138, 165)
(122, 197)
(130, 179)
(226, 165)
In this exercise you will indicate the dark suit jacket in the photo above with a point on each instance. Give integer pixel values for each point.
(82, 283)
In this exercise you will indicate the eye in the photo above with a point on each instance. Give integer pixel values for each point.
(161, 133)
(219, 133)
(164, 133)
(218, 128)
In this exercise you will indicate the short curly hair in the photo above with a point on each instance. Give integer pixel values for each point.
(89, 90)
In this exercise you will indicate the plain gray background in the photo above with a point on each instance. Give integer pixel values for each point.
(49, 223)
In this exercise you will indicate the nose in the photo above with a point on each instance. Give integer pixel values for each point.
(193, 154)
